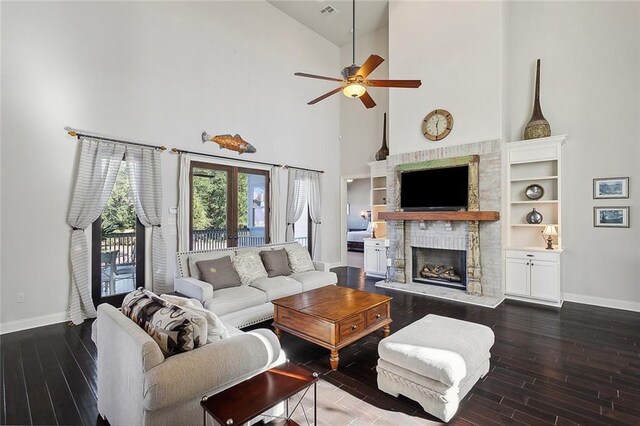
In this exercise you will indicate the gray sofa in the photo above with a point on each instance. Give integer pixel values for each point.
(137, 385)
(248, 304)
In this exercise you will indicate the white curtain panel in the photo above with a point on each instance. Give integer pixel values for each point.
(184, 202)
(315, 209)
(97, 170)
(297, 194)
(278, 213)
(145, 178)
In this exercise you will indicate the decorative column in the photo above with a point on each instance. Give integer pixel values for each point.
(474, 270)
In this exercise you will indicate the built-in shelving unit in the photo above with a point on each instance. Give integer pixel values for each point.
(532, 272)
(378, 196)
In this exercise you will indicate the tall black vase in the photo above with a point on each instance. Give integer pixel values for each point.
(538, 126)
(383, 152)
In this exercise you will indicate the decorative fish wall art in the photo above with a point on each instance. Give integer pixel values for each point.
(232, 143)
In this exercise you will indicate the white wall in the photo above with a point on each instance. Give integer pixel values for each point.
(454, 48)
(590, 90)
(150, 71)
(361, 128)
(359, 199)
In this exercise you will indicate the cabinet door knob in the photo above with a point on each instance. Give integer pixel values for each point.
(377, 316)
(354, 326)
(531, 263)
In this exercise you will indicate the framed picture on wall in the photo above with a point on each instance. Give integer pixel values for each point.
(616, 187)
(611, 217)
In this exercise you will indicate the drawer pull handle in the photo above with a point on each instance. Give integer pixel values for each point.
(354, 326)
(378, 316)
(529, 255)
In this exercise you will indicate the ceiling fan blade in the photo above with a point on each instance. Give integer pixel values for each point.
(410, 84)
(369, 65)
(367, 100)
(326, 95)
(320, 77)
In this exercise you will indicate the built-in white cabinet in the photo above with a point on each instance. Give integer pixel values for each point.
(532, 272)
(533, 276)
(375, 257)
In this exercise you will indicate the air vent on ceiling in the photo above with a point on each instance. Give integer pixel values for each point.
(328, 10)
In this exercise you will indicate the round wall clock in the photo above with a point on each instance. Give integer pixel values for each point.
(437, 124)
(534, 192)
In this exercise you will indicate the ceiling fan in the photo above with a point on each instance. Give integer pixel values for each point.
(354, 78)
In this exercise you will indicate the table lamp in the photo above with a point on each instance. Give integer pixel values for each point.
(549, 231)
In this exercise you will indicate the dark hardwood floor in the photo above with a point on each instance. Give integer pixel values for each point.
(575, 365)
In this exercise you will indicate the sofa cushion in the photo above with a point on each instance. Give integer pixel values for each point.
(207, 255)
(216, 329)
(277, 287)
(174, 329)
(220, 273)
(299, 258)
(234, 299)
(315, 279)
(275, 262)
(249, 267)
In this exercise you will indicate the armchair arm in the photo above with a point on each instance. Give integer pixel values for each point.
(209, 369)
(194, 288)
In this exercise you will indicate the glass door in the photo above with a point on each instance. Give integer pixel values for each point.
(229, 206)
(210, 206)
(252, 215)
(117, 246)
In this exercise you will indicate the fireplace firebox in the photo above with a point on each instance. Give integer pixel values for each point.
(440, 267)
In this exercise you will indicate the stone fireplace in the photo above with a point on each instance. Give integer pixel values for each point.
(480, 242)
(439, 267)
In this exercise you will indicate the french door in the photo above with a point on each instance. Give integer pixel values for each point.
(117, 246)
(229, 206)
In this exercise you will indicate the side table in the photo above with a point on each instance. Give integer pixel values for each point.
(249, 399)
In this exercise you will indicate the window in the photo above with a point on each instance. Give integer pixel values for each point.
(229, 206)
(302, 229)
(117, 246)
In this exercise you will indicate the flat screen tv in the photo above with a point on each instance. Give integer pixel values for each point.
(444, 189)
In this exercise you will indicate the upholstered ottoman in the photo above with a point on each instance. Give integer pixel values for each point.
(435, 361)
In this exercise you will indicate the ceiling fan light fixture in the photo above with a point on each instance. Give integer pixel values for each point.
(354, 90)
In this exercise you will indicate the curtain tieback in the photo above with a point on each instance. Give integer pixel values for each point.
(159, 226)
(73, 228)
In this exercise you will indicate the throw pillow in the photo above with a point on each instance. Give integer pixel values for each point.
(182, 301)
(206, 255)
(249, 266)
(219, 273)
(299, 259)
(216, 329)
(276, 262)
(174, 329)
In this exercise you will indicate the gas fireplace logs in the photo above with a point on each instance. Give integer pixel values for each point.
(441, 272)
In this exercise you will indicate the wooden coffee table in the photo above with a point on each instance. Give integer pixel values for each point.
(332, 317)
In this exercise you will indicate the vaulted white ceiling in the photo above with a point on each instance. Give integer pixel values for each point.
(336, 26)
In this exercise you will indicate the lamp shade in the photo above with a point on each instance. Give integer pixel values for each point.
(354, 90)
(550, 230)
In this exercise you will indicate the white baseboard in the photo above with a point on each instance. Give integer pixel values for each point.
(24, 324)
(337, 264)
(602, 301)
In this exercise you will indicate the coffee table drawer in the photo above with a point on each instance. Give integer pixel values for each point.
(350, 326)
(376, 315)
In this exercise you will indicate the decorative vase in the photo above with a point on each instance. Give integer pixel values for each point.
(534, 217)
(538, 126)
(383, 152)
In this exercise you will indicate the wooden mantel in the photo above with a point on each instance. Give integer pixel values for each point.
(440, 215)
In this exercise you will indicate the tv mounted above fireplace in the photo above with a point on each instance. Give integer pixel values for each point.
(445, 189)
